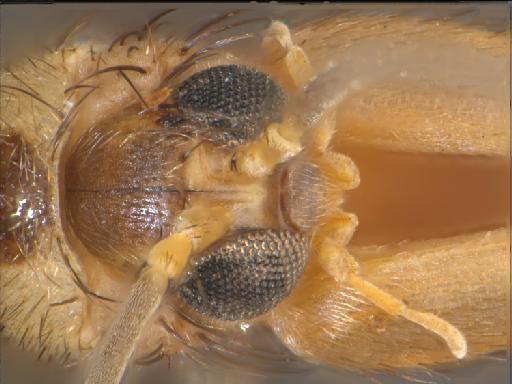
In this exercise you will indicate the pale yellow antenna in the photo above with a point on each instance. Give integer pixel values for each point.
(166, 261)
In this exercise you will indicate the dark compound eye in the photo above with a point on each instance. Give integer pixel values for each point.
(231, 101)
(246, 275)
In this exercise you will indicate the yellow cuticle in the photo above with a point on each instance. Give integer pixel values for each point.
(284, 139)
(157, 97)
(257, 159)
(171, 255)
(298, 66)
(278, 144)
(198, 224)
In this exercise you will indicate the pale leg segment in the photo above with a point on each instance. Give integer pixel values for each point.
(279, 43)
(344, 268)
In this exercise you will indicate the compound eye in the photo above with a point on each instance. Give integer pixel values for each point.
(230, 101)
(246, 275)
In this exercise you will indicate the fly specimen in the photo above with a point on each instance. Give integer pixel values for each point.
(115, 184)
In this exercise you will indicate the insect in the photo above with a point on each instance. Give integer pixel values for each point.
(144, 213)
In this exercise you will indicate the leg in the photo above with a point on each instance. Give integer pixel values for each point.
(283, 140)
(260, 157)
(344, 268)
(278, 42)
(340, 170)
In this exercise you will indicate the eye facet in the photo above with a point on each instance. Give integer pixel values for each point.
(247, 275)
(231, 101)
